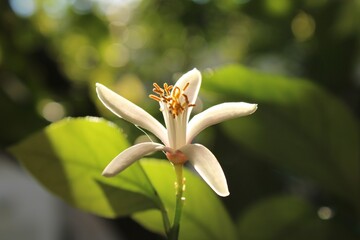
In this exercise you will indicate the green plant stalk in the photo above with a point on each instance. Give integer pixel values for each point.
(180, 188)
(165, 218)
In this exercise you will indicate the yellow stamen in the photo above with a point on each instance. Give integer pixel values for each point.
(167, 88)
(157, 86)
(156, 98)
(175, 98)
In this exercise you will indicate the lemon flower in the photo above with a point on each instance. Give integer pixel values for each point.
(176, 103)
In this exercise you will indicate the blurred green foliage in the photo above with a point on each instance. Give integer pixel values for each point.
(300, 127)
(302, 142)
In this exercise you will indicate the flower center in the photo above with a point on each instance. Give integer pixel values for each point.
(176, 157)
(175, 98)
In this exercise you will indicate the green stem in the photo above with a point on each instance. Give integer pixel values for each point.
(165, 218)
(180, 187)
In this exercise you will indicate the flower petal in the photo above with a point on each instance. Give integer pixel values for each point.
(217, 114)
(130, 112)
(192, 77)
(206, 164)
(129, 156)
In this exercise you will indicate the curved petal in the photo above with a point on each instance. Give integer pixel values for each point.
(217, 114)
(192, 77)
(206, 164)
(130, 112)
(129, 156)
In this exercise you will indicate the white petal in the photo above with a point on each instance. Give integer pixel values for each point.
(192, 77)
(217, 114)
(130, 112)
(206, 164)
(129, 156)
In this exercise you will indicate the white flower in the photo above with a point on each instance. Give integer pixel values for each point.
(176, 103)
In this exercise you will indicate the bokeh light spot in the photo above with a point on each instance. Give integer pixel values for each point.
(14, 89)
(52, 111)
(55, 8)
(325, 213)
(136, 37)
(82, 6)
(118, 16)
(303, 26)
(116, 55)
(131, 87)
(278, 7)
(23, 8)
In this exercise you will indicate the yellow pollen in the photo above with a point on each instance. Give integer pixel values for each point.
(175, 98)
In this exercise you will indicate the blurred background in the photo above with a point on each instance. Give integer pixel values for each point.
(52, 52)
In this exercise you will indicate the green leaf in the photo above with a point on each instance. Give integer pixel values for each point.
(298, 127)
(287, 218)
(68, 157)
(203, 217)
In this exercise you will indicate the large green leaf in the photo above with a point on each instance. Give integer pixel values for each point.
(298, 127)
(68, 157)
(204, 216)
(287, 218)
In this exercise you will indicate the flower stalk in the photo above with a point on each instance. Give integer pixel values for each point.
(180, 200)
